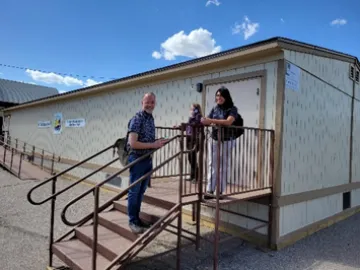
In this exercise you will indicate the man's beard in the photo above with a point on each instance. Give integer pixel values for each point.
(149, 110)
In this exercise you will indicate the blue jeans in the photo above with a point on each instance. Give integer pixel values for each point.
(136, 193)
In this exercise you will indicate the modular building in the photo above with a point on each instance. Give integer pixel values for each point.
(309, 95)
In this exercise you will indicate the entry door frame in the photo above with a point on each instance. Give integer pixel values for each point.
(262, 74)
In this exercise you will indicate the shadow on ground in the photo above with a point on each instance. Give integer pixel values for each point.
(336, 247)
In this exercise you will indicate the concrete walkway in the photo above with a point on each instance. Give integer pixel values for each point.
(24, 231)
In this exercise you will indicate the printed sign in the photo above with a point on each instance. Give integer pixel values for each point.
(57, 123)
(80, 122)
(292, 77)
(44, 124)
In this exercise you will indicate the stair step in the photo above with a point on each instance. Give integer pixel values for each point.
(149, 213)
(77, 255)
(117, 222)
(165, 203)
(110, 244)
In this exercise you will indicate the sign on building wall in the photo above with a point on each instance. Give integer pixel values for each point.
(44, 124)
(57, 123)
(292, 77)
(80, 122)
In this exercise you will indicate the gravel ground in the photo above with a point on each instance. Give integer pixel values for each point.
(24, 231)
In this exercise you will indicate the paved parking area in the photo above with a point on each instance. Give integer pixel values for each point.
(24, 231)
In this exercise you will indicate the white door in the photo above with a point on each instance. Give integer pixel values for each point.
(246, 97)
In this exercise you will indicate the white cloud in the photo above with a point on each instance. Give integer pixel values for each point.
(90, 82)
(214, 2)
(62, 91)
(52, 78)
(197, 43)
(247, 28)
(156, 55)
(339, 22)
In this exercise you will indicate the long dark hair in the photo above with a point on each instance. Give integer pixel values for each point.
(225, 93)
(198, 107)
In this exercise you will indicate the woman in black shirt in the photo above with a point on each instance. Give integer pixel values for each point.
(224, 114)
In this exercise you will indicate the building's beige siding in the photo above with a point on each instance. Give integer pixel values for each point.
(316, 134)
(335, 72)
(297, 216)
(355, 197)
(245, 208)
(316, 138)
(357, 91)
(356, 143)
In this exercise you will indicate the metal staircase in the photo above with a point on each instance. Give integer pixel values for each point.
(103, 240)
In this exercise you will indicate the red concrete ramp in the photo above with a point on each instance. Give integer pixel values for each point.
(18, 164)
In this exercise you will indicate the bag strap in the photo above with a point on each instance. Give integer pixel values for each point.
(127, 133)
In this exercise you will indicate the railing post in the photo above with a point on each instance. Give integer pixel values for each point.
(217, 207)
(271, 180)
(33, 154)
(8, 141)
(200, 186)
(5, 152)
(21, 158)
(95, 227)
(52, 164)
(16, 144)
(42, 159)
(52, 221)
(272, 142)
(179, 227)
(12, 158)
(24, 149)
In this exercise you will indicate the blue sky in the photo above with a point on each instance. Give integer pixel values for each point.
(114, 38)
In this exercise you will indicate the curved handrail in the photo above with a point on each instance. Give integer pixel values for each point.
(118, 196)
(63, 172)
(80, 180)
(122, 193)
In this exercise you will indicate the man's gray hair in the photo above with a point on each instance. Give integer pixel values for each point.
(149, 94)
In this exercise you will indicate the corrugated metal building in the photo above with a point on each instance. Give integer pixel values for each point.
(309, 95)
(14, 92)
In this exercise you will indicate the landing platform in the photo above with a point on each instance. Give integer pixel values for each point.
(167, 190)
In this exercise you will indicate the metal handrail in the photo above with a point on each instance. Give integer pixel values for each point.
(11, 147)
(222, 126)
(62, 173)
(10, 138)
(20, 151)
(144, 238)
(122, 193)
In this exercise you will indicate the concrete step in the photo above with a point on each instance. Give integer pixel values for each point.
(77, 255)
(148, 213)
(117, 222)
(110, 244)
